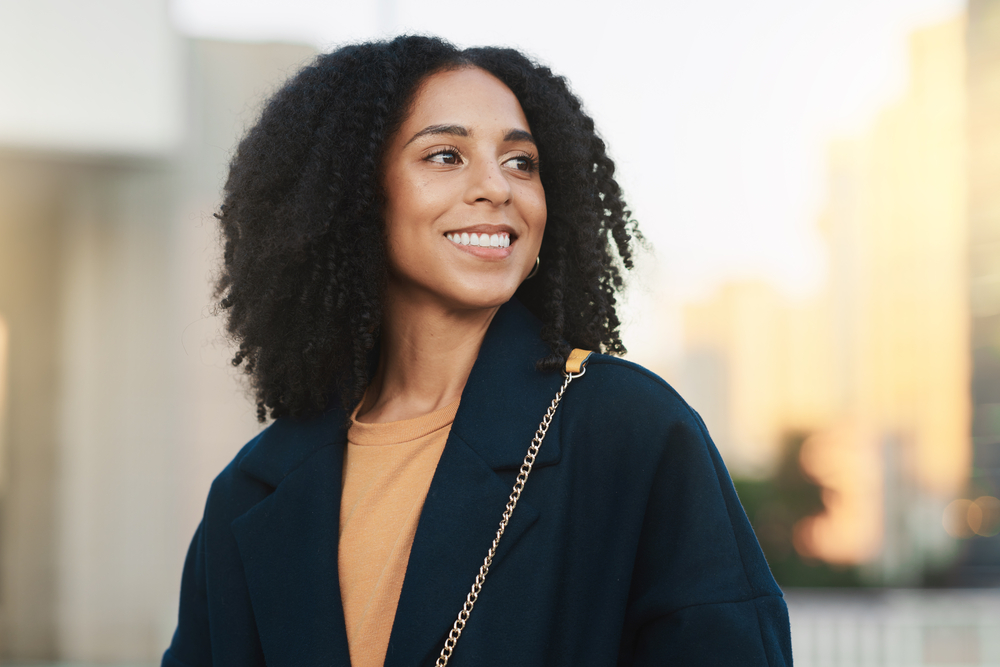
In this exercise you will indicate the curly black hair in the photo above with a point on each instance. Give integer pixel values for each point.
(304, 259)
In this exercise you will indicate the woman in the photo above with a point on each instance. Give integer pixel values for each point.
(416, 238)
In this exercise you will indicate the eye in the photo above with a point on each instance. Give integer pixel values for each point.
(525, 163)
(449, 156)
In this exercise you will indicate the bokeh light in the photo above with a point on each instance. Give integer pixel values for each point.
(964, 518)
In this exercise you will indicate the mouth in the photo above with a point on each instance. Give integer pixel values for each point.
(484, 241)
(480, 239)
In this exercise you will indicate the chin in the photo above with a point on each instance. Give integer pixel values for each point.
(458, 290)
(483, 296)
(484, 303)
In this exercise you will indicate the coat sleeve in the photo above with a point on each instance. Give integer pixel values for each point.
(191, 645)
(702, 593)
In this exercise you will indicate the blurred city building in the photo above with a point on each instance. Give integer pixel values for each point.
(981, 563)
(876, 369)
(120, 405)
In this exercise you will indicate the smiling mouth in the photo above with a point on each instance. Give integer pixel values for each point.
(484, 240)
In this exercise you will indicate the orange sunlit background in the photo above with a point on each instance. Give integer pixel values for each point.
(820, 186)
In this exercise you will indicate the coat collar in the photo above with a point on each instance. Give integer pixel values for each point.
(288, 541)
(505, 397)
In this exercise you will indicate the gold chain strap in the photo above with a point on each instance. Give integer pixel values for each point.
(515, 495)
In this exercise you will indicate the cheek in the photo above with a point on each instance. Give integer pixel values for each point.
(417, 203)
(412, 209)
(405, 210)
(543, 212)
(535, 211)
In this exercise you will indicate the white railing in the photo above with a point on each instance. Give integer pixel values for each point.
(895, 627)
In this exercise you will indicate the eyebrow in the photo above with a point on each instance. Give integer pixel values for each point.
(459, 131)
(519, 135)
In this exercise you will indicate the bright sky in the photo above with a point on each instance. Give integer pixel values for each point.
(718, 113)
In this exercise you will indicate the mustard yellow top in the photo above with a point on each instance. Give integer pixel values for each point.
(387, 472)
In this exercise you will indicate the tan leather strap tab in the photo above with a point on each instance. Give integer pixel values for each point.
(577, 358)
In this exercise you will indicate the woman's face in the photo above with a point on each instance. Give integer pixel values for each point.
(465, 208)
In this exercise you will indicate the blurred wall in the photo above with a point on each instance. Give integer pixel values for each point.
(101, 76)
(116, 413)
(121, 404)
(29, 305)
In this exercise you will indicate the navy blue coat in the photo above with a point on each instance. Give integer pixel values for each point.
(628, 547)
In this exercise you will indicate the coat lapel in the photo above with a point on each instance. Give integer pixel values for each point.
(502, 404)
(288, 543)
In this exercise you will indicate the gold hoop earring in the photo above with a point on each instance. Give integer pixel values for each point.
(534, 270)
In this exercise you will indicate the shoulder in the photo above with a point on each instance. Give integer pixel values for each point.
(233, 491)
(632, 396)
(651, 443)
(630, 424)
(268, 458)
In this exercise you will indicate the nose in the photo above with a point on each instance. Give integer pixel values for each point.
(488, 183)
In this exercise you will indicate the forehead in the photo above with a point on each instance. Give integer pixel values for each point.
(470, 97)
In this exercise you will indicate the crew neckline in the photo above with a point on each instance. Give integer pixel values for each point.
(404, 430)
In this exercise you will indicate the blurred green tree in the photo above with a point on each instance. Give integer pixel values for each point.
(774, 505)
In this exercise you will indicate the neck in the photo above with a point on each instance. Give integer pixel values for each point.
(427, 352)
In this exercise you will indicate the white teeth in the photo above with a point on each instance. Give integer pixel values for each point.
(483, 240)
